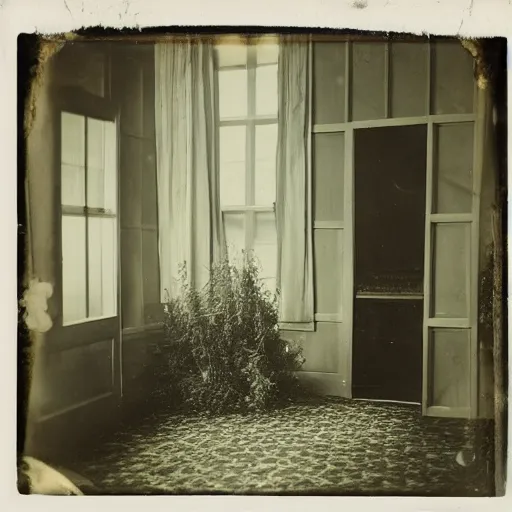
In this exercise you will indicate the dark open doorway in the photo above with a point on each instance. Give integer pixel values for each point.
(390, 190)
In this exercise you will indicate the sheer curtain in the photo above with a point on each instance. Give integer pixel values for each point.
(293, 206)
(190, 230)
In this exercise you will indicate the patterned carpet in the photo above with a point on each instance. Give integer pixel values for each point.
(332, 446)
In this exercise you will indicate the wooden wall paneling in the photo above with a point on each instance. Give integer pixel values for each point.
(408, 79)
(452, 78)
(320, 348)
(328, 170)
(450, 368)
(68, 373)
(328, 260)
(134, 79)
(148, 81)
(151, 285)
(149, 206)
(153, 313)
(368, 89)
(132, 303)
(329, 82)
(131, 184)
(131, 99)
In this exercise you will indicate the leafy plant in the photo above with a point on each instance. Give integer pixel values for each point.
(222, 350)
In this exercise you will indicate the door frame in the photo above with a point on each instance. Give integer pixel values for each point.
(348, 294)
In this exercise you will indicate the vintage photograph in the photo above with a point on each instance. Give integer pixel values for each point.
(262, 263)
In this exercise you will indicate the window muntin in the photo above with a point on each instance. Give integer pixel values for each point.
(89, 218)
(247, 123)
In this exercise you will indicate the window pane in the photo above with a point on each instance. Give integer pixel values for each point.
(232, 93)
(451, 245)
(72, 185)
(110, 166)
(450, 368)
(328, 169)
(453, 81)
(408, 79)
(453, 168)
(101, 164)
(265, 172)
(266, 90)
(267, 53)
(265, 232)
(232, 165)
(102, 267)
(266, 256)
(265, 247)
(232, 184)
(72, 159)
(231, 53)
(329, 82)
(234, 227)
(368, 91)
(72, 139)
(73, 269)
(328, 269)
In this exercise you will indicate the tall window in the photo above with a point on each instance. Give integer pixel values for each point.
(247, 85)
(89, 218)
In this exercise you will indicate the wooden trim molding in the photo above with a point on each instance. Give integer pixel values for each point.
(329, 317)
(448, 412)
(131, 332)
(83, 403)
(394, 121)
(328, 224)
(297, 326)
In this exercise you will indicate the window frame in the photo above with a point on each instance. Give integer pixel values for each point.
(74, 100)
(251, 121)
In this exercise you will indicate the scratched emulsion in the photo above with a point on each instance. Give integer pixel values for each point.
(35, 302)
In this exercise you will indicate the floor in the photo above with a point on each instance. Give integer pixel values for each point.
(329, 446)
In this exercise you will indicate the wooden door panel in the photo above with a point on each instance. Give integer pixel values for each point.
(387, 362)
(78, 376)
(450, 357)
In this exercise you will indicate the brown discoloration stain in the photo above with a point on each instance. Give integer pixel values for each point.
(35, 301)
(475, 48)
(360, 4)
(49, 46)
(500, 393)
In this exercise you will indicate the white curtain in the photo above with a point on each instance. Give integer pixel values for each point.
(293, 206)
(190, 229)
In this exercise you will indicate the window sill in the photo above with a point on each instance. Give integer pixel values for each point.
(297, 326)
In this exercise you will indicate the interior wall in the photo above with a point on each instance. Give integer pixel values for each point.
(133, 88)
(327, 349)
(129, 78)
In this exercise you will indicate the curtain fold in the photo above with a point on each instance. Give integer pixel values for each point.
(293, 206)
(190, 229)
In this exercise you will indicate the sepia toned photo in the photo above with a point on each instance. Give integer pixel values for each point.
(262, 263)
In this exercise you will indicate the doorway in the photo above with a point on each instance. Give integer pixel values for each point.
(389, 228)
